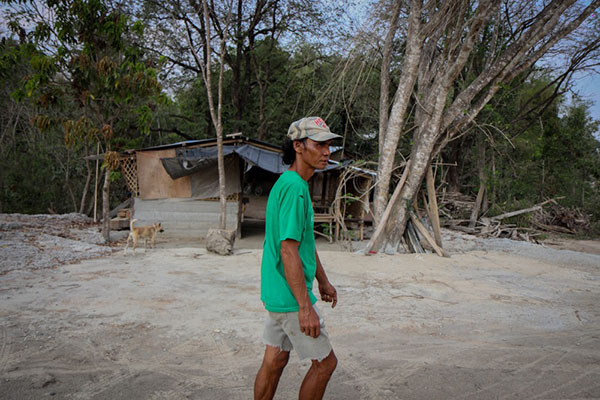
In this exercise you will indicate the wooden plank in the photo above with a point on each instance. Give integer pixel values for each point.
(415, 205)
(118, 208)
(433, 208)
(423, 231)
(413, 238)
(153, 180)
(117, 223)
(327, 219)
(477, 207)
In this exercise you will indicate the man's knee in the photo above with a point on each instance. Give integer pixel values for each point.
(277, 360)
(327, 365)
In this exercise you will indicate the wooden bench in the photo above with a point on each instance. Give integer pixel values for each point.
(325, 218)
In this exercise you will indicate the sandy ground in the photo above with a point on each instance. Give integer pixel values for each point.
(496, 320)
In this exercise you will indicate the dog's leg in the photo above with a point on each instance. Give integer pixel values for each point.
(127, 244)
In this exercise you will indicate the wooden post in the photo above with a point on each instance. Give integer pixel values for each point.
(427, 207)
(96, 184)
(240, 216)
(415, 205)
(478, 204)
(423, 231)
(433, 207)
(413, 238)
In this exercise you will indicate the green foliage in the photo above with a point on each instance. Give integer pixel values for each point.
(115, 176)
(111, 82)
(536, 156)
(29, 193)
(30, 177)
(296, 82)
(95, 86)
(83, 78)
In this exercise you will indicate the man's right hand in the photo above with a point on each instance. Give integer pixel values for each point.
(309, 321)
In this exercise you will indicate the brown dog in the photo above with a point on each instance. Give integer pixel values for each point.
(145, 232)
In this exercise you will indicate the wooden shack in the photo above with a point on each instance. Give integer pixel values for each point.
(178, 184)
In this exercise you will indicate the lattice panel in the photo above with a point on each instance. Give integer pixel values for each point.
(129, 170)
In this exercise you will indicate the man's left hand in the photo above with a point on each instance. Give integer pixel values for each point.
(328, 293)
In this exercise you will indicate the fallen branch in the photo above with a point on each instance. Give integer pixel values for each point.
(537, 207)
(514, 213)
(553, 228)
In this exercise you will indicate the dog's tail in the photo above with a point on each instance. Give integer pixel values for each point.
(131, 224)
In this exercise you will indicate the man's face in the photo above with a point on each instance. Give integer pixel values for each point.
(315, 154)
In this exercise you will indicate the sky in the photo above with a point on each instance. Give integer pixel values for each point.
(588, 87)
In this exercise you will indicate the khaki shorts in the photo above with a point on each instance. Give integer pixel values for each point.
(283, 330)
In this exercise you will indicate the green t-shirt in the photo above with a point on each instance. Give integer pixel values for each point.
(289, 216)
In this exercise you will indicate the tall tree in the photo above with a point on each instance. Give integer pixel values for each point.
(94, 64)
(252, 23)
(216, 115)
(440, 39)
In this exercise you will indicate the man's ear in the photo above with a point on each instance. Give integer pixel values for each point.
(298, 146)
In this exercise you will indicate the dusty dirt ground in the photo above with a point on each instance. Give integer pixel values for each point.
(496, 320)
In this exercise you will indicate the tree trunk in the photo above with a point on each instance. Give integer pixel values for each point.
(396, 120)
(420, 158)
(95, 202)
(106, 205)
(263, 84)
(395, 224)
(216, 115)
(453, 159)
(236, 67)
(448, 36)
(67, 165)
(493, 194)
(426, 137)
(434, 86)
(1, 192)
(262, 131)
(222, 192)
(385, 75)
(378, 238)
(88, 180)
(479, 202)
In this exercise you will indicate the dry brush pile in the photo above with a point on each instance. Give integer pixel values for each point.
(545, 217)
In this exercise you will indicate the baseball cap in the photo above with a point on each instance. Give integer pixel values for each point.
(311, 127)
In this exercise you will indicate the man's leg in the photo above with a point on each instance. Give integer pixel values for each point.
(317, 377)
(269, 373)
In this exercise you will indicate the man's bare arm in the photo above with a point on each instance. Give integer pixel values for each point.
(294, 275)
(326, 289)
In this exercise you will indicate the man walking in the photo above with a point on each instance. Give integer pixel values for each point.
(290, 264)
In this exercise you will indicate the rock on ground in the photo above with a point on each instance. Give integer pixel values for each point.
(220, 241)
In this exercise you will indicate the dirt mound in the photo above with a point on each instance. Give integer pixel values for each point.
(45, 241)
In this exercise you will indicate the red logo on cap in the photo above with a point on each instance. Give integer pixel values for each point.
(320, 123)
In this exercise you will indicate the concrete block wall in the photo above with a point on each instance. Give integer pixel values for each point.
(186, 218)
